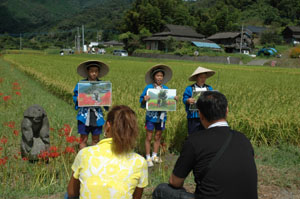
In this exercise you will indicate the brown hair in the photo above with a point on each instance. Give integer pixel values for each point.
(123, 128)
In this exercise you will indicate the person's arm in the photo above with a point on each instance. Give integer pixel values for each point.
(175, 181)
(74, 187)
(184, 164)
(144, 98)
(75, 95)
(138, 192)
(187, 96)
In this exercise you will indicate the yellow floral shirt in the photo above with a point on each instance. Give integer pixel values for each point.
(103, 174)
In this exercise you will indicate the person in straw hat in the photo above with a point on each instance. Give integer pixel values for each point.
(199, 76)
(156, 77)
(90, 120)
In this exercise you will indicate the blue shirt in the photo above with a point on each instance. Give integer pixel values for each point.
(83, 111)
(188, 93)
(152, 116)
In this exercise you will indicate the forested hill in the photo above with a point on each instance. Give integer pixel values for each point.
(211, 16)
(19, 16)
(113, 17)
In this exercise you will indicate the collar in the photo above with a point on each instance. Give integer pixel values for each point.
(87, 79)
(105, 140)
(197, 86)
(218, 124)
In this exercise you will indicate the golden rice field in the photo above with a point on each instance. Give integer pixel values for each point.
(264, 102)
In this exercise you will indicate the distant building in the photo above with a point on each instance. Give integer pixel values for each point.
(112, 43)
(204, 43)
(93, 43)
(231, 41)
(176, 32)
(106, 43)
(256, 30)
(291, 34)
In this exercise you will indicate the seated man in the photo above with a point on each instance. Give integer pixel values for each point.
(221, 159)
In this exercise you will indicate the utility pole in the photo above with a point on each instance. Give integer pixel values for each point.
(78, 40)
(20, 41)
(241, 43)
(75, 41)
(82, 37)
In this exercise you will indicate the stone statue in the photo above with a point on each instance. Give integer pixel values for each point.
(35, 132)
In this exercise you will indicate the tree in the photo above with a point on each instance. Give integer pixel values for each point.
(131, 41)
(154, 14)
(150, 18)
(271, 37)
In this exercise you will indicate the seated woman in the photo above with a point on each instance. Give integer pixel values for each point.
(110, 169)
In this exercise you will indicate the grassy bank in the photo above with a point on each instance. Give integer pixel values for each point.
(19, 177)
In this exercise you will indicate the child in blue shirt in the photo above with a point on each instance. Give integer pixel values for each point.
(90, 119)
(199, 76)
(156, 77)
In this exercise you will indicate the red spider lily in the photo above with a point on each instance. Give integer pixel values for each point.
(67, 129)
(54, 155)
(70, 139)
(6, 98)
(1, 148)
(1, 80)
(25, 158)
(3, 140)
(16, 157)
(44, 155)
(10, 124)
(16, 132)
(51, 129)
(2, 161)
(77, 140)
(53, 148)
(15, 83)
(69, 149)
(18, 93)
(6, 158)
(1, 94)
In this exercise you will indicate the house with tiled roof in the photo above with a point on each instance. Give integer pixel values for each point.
(291, 34)
(175, 32)
(256, 30)
(231, 41)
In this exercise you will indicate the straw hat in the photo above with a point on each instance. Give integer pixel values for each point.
(201, 70)
(166, 70)
(82, 69)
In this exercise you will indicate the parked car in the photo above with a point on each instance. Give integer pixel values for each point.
(122, 53)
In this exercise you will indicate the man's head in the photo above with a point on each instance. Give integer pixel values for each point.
(212, 106)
